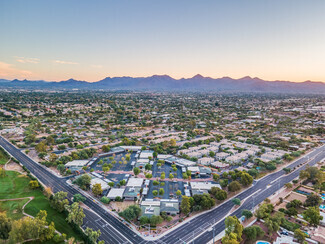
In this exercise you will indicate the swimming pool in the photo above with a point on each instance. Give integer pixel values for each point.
(322, 207)
(303, 192)
(262, 242)
(323, 198)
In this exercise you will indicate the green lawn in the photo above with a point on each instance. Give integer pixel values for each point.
(15, 185)
(13, 208)
(3, 157)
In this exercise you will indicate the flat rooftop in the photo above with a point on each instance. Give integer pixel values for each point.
(135, 182)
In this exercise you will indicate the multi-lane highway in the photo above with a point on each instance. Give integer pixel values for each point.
(197, 230)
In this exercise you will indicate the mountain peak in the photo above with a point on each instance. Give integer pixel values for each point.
(198, 76)
(246, 78)
(161, 76)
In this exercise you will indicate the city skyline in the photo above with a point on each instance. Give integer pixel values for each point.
(91, 41)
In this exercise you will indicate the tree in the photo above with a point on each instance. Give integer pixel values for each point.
(223, 183)
(33, 184)
(236, 201)
(131, 213)
(162, 176)
(216, 177)
(300, 235)
(264, 211)
(234, 186)
(204, 201)
(144, 220)
(106, 148)
(48, 192)
(171, 176)
(155, 183)
(93, 235)
(248, 214)
(5, 226)
(83, 181)
(287, 170)
(253, 232)
(230, 239)
(76, 214)
(161, 191)
(253, 172)
(59, 200)
(41, 147)
(232, 225)
(105, 200)
(313, 200)
(105, 169)
(178, 193)
(50, 140)
(61, 168)
(271, 225)
(304, 174)
(78, 198)
(148, 167)
(246, 179)
(220, 194)
(155, 220)
(312, 216)
(97, 189)
(185, 205)
(136, 171)
(32, 229)
(155, 193)
(53, 158)
(288, 185)
(294, 204)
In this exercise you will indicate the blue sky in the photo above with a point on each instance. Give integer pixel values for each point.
(89, 40)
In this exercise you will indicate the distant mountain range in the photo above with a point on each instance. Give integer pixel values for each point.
(167, 83)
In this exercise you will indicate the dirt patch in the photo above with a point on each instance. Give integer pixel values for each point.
(54, 169)
(120, 206)
(12, 166)
(295, 195)
(281, 205)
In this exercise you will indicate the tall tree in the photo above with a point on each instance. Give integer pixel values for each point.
(97, 189)
(312, 216)
(59, 200)
(76, 214)
(5, 226)
(185, 205)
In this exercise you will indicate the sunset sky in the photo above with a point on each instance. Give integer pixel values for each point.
(90, 40)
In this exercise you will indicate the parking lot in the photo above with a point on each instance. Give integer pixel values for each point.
(119, 164)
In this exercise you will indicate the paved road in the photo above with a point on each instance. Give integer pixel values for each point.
(197, 230)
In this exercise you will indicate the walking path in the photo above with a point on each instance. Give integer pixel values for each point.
(23, 207)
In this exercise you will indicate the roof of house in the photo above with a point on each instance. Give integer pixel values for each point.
(76, 163)
(115, 192)
(169, 205)
(132, 191)
(135, 182)
(203, 185)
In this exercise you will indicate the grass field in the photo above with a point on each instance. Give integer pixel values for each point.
(3, 157)
(15, 185)
(13, 208)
